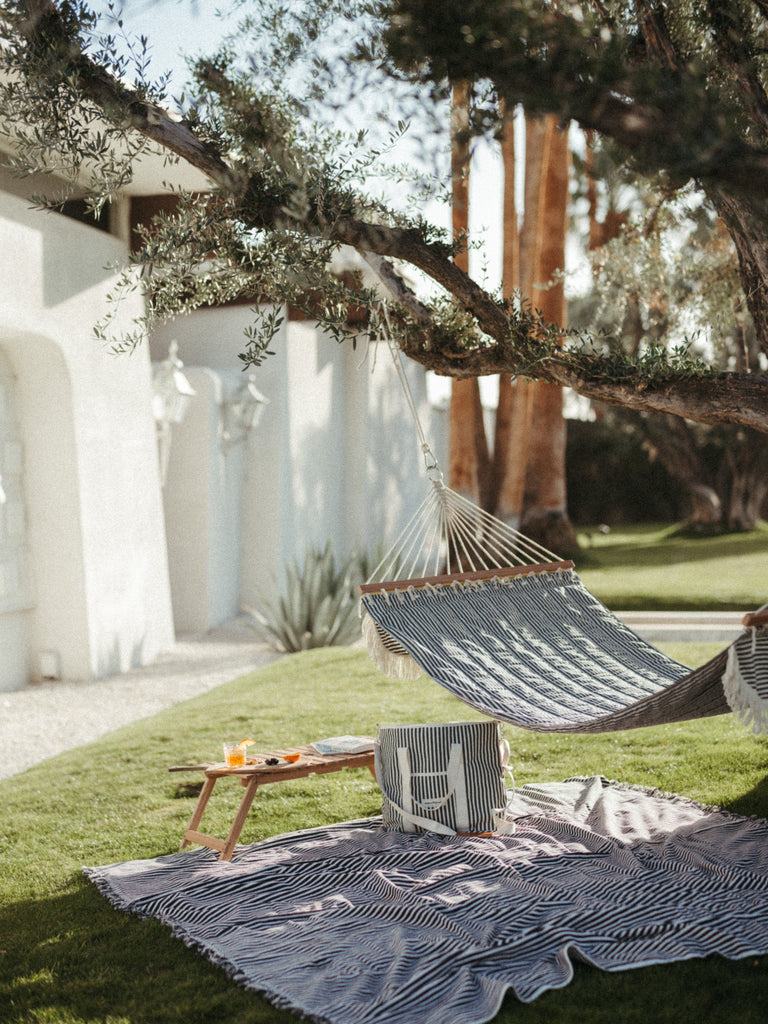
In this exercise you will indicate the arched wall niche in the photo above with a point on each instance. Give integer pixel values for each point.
(15, 585)
(46, 507)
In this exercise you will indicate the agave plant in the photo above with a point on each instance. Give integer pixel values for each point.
(318, 605)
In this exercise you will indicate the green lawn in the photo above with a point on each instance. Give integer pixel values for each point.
(649, 567)
(67, 957)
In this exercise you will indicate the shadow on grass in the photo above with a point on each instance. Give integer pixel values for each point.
(73, 958)
(710, 991)
(752, 803)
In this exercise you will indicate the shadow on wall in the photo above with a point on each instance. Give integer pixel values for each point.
(396, 472)
(361, 476)
(64, 277)
(112, 660)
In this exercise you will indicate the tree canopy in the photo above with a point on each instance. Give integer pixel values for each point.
(675, 88)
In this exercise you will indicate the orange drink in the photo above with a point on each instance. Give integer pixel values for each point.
(234, 755)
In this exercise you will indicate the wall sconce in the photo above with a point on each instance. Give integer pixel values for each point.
(241, 412)
(171, 398)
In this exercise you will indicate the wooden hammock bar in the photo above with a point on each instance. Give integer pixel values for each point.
(464, 577)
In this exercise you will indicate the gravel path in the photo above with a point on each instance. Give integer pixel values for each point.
(44, 719)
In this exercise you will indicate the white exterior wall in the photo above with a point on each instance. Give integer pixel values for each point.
(109, 559)
(336, 456)
(202, 515)
(100, 599)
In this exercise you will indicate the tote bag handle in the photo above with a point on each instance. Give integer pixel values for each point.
(455, 786)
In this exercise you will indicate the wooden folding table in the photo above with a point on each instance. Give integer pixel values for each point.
(256, 772)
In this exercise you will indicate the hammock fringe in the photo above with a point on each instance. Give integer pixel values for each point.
(389, 657)
(746, 704)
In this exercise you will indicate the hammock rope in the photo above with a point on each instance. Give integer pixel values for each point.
(448, 534)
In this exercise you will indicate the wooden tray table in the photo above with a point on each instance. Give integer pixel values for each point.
(257, 773)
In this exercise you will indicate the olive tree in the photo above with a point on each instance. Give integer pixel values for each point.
(678, 88)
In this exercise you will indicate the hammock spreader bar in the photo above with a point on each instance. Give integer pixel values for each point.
(478, 576)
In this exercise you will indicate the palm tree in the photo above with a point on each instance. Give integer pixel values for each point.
(524, 483)
(545, 515)
(469, 463)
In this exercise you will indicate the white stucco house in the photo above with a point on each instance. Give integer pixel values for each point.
(113, 540)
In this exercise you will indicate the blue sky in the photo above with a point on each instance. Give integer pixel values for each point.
(173, 27)
(178, 27)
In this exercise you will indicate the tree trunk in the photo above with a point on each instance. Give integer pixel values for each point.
(672, 442)
(743, 480)
(469, 461)
(724, 488)
(515, 405)
(750, 236)
(512, 438)
(600, 231)
(545, 516)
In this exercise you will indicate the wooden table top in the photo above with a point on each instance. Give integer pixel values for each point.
(303, 761)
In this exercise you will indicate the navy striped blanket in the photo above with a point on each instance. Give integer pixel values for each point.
(353, 924)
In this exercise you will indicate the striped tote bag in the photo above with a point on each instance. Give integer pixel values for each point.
(445, 777)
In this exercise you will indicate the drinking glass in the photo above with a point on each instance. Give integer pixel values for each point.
(234, 755)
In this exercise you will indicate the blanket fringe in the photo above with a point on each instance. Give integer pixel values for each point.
(748, 706)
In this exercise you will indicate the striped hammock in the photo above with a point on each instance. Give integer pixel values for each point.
(529, 645)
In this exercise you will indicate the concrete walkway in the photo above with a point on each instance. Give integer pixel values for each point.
(685, 627)
(44, 719)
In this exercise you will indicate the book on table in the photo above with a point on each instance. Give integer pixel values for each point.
(344, 745)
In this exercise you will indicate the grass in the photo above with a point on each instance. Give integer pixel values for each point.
(67, 957)
(654, 567)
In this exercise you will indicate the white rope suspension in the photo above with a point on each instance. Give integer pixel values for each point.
(449, 534)
(397, 359)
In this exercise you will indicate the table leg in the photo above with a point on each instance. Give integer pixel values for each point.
(242, 813)
(197, 814)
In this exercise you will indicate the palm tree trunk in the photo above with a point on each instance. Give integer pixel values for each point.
(513, 412)
(469, 462)
(545, 516)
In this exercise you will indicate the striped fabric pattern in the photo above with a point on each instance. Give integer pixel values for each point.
(541, 652)
(354, 923)
(428, 756)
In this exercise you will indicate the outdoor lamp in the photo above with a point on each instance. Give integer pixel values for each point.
(172, 395)
(241, 412)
